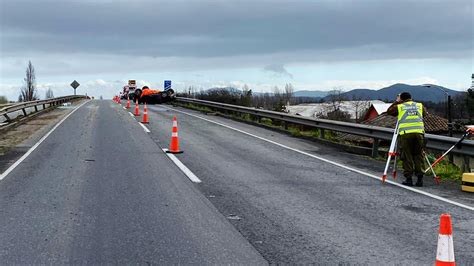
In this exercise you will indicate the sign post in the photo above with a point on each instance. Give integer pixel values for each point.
(167, 84)
(74, 85)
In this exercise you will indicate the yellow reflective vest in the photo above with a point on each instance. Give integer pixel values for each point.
(410, 118)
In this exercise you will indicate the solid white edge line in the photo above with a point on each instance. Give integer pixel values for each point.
(334, 163)
(124, 108)
(144, 127)
(183, 167)
(22, 158)
(131, 114)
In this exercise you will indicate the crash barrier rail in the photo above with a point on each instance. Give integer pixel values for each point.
(11, 112)
(435, 142)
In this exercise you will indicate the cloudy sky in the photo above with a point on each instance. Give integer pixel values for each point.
(315, 45)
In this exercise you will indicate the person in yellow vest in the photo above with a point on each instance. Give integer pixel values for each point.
(411, 130)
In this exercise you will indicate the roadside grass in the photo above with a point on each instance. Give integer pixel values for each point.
(446, 170)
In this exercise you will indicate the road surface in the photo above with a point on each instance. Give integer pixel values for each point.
(99, 190)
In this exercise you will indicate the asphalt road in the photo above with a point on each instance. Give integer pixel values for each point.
(100, 190)
(296, 209)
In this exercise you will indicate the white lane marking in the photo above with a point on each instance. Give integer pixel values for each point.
(124, 108)
(144, 127)
(131, 114)
(334, 163)
(22, 158)
(183, 167)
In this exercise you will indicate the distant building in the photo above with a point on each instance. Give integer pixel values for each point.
(375, 110)
(356, 109)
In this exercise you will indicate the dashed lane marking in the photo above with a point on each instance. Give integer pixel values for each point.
(183, 167)
(144, 127)
(332, 162)
(22, 158)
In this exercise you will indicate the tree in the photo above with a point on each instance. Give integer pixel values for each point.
(278, 103)
(288, 93)
(246, 98)
(49, 94)
(360, 106)
(29, 92)
(335, 99)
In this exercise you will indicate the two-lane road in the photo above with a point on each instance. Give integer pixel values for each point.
(100, 190)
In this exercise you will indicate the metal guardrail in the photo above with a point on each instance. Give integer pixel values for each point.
(23, 106)
(434, 142)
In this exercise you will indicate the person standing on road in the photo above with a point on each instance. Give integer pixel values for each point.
(411, 131)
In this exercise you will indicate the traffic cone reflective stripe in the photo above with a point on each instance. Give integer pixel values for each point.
(445, 250)
(174, 145)
(145, 115)
(137, 110)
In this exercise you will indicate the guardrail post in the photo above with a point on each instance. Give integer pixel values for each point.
(44, 106)
(321, 133)
(466, 166)
(7, 117)
(375, 148)
(24, 111)
(286, 125)
(36, 108)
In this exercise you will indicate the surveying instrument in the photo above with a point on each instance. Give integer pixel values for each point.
(392, 152)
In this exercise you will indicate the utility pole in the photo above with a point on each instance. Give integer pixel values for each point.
(450, 122)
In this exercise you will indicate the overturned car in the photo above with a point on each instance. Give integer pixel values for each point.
(149, 96)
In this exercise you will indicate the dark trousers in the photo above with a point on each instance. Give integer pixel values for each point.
(412, 145)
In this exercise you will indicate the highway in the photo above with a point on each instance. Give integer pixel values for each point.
(100, 189)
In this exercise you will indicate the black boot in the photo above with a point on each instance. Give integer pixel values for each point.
(419, 181)
(408, 182)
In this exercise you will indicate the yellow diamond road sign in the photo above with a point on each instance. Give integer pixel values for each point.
(75, 84)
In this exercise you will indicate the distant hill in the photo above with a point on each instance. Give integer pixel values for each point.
(313, 94)
(432, 93)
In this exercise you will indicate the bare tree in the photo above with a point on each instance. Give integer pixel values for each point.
(246, 98)
(49, 94)
(360, 107)
(29, 92)
(289, 91)
(335, 98)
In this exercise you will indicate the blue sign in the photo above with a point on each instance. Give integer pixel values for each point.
(167, 84)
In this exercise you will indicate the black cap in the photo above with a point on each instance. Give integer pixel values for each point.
(405, 96)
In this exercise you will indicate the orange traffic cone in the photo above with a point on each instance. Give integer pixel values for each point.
(174, 145)
(128, 103)
(137, 110)
(145, 115)
(445, 251)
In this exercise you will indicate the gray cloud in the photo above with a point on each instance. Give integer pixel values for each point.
(278, 70)
(203, 29)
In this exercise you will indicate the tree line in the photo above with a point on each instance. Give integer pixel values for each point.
(277, 100)
(462, 106)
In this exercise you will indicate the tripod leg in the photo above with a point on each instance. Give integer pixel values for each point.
(436, 178)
